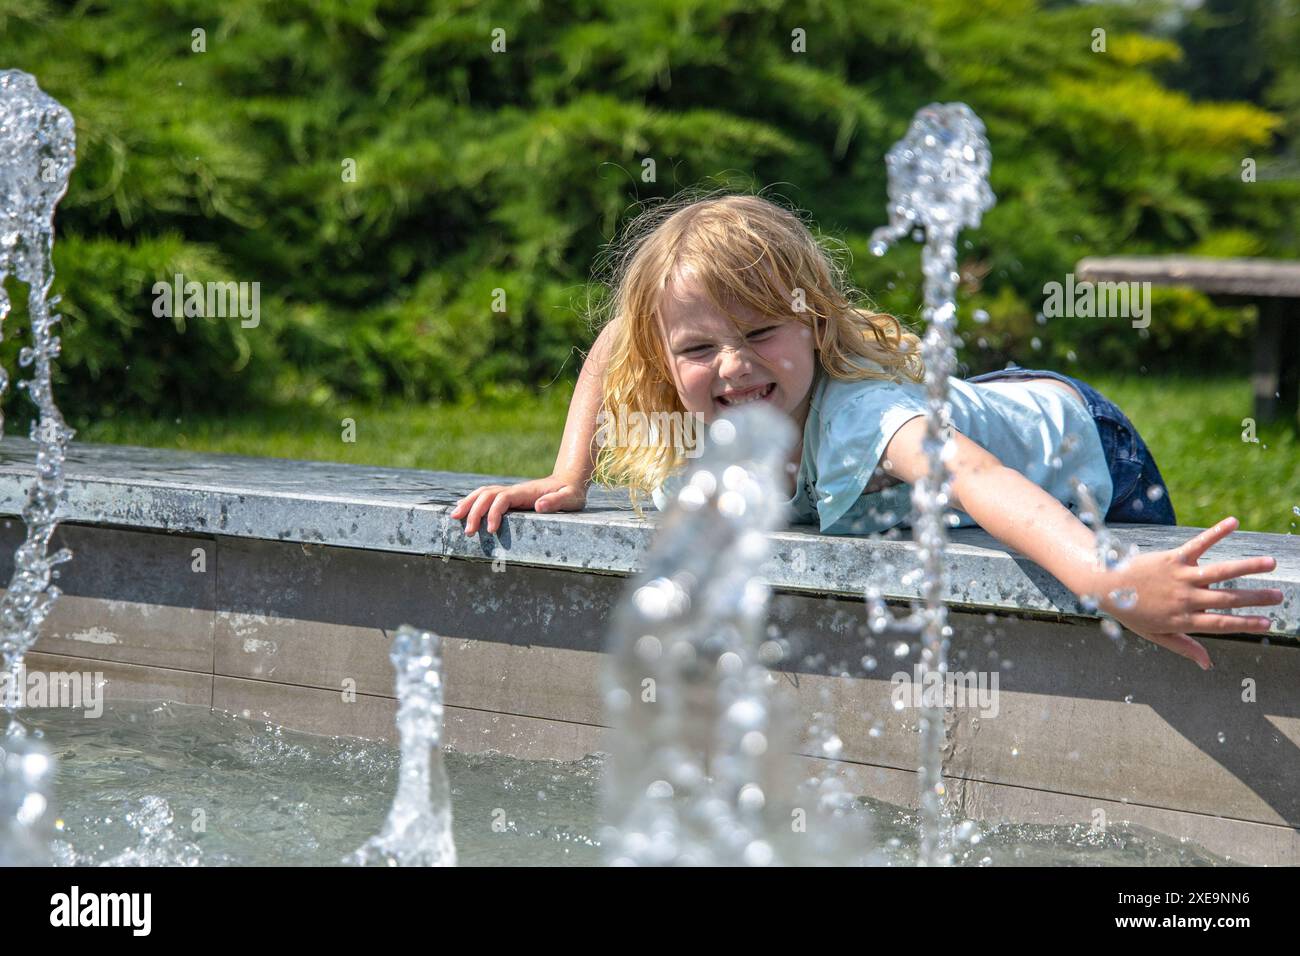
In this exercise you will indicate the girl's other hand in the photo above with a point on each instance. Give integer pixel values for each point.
(1174, 595)
(544, 495)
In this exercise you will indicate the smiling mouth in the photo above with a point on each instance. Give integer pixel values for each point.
(754, 396)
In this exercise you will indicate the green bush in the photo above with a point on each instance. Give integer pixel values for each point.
(478, 171)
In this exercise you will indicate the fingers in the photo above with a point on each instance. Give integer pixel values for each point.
(483, 499)
(488, 504)
(1208, 623)
(1192, 550)
(465, 502)
(1237, 597)
(1184, 646)
(490, 508)
(562, 499)
(497, 512)
(1227, 570)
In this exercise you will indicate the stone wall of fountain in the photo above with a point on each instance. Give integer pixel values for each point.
(271, 629)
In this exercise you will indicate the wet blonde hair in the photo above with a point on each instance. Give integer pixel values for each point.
(736, 245)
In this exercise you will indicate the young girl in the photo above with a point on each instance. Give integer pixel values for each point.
(730, 299)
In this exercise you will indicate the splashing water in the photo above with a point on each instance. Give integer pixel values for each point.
(699, 772)
(25, 771)
(1112, 555)
(938, 184)
(155, 843)
(418, 829)
(37, 153)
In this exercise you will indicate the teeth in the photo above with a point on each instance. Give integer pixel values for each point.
(757, 396)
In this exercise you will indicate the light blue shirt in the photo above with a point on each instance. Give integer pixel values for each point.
(1039, 430)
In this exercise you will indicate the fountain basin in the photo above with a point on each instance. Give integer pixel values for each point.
(271, 588)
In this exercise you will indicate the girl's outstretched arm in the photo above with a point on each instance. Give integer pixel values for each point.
(565, 489)
(577, 456)
(1173, 593)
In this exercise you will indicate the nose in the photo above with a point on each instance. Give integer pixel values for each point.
(734, 363)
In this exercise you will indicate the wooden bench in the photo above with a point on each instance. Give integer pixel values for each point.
(1273, 285)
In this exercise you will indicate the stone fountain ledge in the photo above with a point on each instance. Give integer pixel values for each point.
(407, 511)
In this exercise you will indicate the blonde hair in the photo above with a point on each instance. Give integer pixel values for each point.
(743, 249)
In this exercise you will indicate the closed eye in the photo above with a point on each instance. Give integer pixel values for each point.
(756, 334)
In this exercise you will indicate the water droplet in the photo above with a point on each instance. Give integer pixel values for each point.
(1124, 598)
(751, 797)
(659, 790)
(759, 853)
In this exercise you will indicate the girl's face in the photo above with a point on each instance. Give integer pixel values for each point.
(714, 367)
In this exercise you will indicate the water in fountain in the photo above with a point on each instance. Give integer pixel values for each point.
(418, 829)
(700, 769)
(938, 183)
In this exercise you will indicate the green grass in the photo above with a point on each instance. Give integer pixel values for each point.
(510, 434)
(1193, 427)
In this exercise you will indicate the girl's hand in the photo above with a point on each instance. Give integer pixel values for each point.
(543, 495)
(1174, 594)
